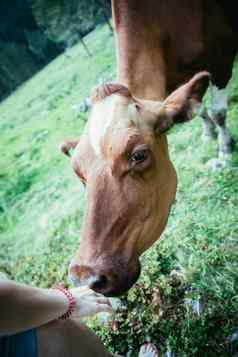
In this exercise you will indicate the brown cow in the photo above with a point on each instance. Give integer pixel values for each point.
(122, 157)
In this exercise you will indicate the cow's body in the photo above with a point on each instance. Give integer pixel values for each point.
(123, 157)
(164, 43)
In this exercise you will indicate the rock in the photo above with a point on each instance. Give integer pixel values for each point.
(85, 105)
(3, 276)
(196, 305)
(169, 353)
(233, 337)
(215, 164)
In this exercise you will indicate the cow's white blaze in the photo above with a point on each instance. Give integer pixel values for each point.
(102, 117)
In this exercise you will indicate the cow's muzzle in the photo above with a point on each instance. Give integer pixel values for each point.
(113, 281)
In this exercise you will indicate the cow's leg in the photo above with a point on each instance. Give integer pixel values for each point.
(218, 113)
(70, 338)
(209, 131)
(225, 141)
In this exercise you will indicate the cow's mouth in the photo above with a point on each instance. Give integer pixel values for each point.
(115, 290)
(106, 282)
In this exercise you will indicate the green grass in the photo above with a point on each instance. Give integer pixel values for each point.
(42, 206)
(40, 199)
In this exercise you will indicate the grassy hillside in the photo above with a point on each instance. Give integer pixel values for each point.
(41, 200)
(187, 297)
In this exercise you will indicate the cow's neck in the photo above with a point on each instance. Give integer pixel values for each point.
(139, 54)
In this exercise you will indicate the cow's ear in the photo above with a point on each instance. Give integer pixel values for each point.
(68, 146)
(180, 106)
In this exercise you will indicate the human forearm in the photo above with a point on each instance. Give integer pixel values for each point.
(23, 307)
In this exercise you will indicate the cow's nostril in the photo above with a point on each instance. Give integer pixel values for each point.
(84, 275)
(100, 283)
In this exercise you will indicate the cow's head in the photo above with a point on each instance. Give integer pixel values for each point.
(123, 160)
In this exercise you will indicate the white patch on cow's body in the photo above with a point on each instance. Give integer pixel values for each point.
(101, 118)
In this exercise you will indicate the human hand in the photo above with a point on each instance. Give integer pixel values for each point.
(89, 303)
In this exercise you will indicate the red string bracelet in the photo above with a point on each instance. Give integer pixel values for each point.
(71, 300)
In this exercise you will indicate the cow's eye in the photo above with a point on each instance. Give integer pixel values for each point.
(139, 156)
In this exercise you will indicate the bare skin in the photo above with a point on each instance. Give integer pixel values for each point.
(74, 339)
(71, 338)
(23, 307)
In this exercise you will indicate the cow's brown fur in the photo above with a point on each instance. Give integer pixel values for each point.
(163, 43)
(160, 45)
